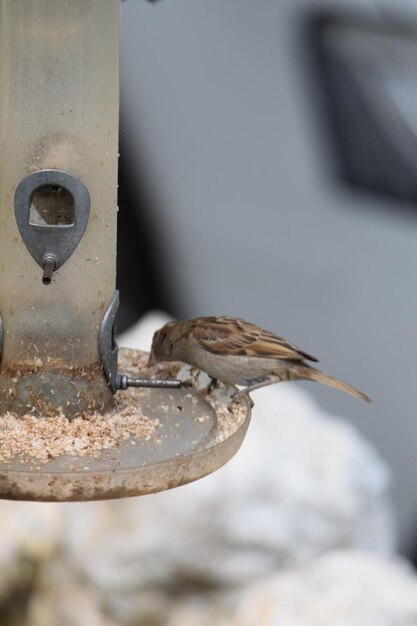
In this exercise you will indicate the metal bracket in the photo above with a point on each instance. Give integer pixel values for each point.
(51, 244)
(1, 336)
(107, 343)
(109, 351)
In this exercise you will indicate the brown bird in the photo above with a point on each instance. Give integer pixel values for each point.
(239, 353)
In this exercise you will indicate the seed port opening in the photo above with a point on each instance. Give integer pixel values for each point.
(51, 205)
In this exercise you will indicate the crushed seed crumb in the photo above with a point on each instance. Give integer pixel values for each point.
(228, 421)
(47, 438)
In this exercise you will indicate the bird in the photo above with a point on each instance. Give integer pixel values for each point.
(240, 353)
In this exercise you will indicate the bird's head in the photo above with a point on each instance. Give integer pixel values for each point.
(162, 344)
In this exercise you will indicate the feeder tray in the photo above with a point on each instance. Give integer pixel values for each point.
(196, 435)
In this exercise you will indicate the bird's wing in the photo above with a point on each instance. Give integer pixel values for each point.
(230, 335)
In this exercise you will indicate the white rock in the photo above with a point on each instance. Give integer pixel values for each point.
(342, 589)
(139, 336)
(304, 483)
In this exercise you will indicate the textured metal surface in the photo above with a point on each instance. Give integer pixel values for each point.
(185, 449)
(46, 391)
(54, 241)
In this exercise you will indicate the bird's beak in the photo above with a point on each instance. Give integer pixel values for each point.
(151, 361)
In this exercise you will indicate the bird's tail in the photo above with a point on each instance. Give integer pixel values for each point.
(310, 373)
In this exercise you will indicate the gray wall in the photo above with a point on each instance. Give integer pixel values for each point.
(220, 111)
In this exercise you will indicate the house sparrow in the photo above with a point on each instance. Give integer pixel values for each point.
(239, 353)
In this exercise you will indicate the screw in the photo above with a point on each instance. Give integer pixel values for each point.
(49, 265)
(126, 381)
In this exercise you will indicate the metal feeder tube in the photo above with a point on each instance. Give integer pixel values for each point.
(59, 84)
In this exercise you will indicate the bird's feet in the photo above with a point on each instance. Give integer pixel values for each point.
(213, 384)
(237, 398)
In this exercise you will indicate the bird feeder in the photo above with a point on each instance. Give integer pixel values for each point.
(60, 364)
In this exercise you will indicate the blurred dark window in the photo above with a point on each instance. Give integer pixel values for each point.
(140, 278)
(367, 71)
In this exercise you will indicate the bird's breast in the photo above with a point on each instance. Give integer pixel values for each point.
(231, 369)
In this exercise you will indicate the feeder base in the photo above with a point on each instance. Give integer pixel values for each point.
(191, 441)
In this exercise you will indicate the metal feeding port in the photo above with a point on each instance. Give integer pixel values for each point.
(79, 419)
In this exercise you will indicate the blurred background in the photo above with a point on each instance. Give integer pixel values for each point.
(268, 171)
